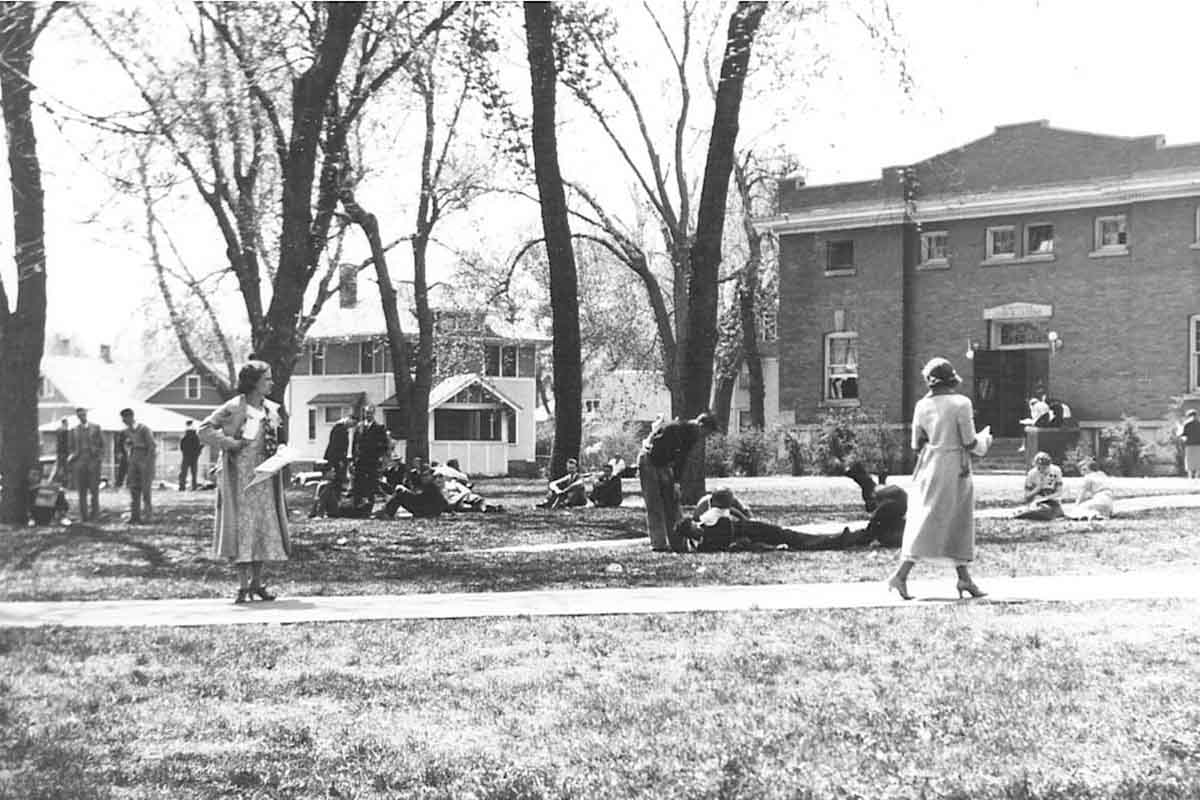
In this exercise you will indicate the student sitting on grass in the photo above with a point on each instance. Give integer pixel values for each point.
(607, 493)
(461, 497)
(1043, 491)
(1095, 499)
(569, 490)
(428, 500)
(47, 500)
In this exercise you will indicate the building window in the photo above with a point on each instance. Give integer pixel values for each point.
(1039, 239)
(1196, 228)
(467, 425)
(841, 368)
(1111, 234)
(1001, 243)
(839, 256)
(1194, 359)
(500, 361)
(1020, 334)
(591, 406)
(933, 247)
(334, 413)
(768, 324)
(512, 426)
(368, 353)
(316, 358)
(312, 424)
(45, 389)
(191, 388)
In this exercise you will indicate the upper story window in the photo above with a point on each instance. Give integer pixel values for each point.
(768, 325)
(1196, 228)
(1111, 234)
(933, 248)
(841, 368)
(1039, 239)
(591, 406)
(839, 256)
(370, 357)
(192, 387)
(500, 361)
(316, 358)
(1001, 243)
(45, 389)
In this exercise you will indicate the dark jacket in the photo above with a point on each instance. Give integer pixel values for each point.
(372, 443)
(338, 449)
(669, 445)
(607, 493)
(190, 445)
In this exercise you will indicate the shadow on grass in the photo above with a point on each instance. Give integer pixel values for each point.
(72, 536)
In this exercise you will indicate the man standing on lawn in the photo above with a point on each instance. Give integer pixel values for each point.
(189, 453)
(87, 451)
(140, 451)
(660, 465)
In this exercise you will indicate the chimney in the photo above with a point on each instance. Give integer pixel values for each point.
(348, 286)
(106, 353)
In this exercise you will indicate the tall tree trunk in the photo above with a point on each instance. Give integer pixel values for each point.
(422, 384)
(722, 407)
(698, 350)
(748, 314)
(23, 329)
(277, 341)
(564, 282)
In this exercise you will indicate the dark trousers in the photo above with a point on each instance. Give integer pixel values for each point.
(189, 464)
(662, 503)
(122, 471)
(764, 533)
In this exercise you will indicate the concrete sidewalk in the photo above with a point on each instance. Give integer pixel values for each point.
(1129, 505)
(588, 602)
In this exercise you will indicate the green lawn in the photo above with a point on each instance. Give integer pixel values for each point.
(951, 701)
(170, 558)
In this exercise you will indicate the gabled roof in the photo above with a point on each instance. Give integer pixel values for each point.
(365, 320)
(159, 374)
(88, 382)
(339, 399)
(447, 389)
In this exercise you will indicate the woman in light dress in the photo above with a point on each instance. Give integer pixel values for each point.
(940, 526)
(251, 521)
(1095, 499)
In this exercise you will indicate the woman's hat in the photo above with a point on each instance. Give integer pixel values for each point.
(940, 372)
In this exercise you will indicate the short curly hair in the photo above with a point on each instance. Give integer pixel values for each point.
(250, 374)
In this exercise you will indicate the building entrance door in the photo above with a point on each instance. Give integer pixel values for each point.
(1004, 382)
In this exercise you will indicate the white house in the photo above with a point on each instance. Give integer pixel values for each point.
(483, 416)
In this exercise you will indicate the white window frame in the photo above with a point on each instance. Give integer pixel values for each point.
(189, 382)
(936, 261)
(591, 405)
(341, 412)
(826, 383)
(1194, 353)
(844, 270)
(994, 335)
(316, 352)
(1123, 221)
(1035, 254)
(990, 244)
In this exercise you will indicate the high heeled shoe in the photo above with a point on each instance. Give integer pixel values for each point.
(969, 587)
(261, 591)
(900, 585)
(243, 596)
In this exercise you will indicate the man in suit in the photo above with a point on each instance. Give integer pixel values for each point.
(189, 451)
(337, 451)
(140, 450)
(62, 453)
(371, 445)
(87, 451)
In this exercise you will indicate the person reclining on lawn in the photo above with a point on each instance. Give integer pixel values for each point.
(1095, 499)
(461, 497)
(569, 490)
(1043, 491)
(725, 524)
(606, 492)
(428, 501)
(887, 505)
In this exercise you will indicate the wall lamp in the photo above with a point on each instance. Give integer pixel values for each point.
(1055, 341)
(971, 348)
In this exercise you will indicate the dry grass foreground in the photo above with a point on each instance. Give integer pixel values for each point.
(957, 701)
(170, 558)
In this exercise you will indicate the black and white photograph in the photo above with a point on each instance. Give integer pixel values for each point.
(599, 399)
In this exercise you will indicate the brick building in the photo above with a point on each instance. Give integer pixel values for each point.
(1033, 258)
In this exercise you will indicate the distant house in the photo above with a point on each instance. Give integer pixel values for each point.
(625, 395)
(68, 382)
(346, 363)
(178, 387)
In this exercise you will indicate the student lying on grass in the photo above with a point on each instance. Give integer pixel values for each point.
(721, 522)
(461, 497)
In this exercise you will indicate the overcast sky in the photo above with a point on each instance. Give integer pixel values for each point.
(1108, 67)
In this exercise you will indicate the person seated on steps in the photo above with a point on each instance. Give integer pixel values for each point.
(606, 492)
(887, 505)
(1043, 491)
(725, 525)
(567, 491)
(428, 500)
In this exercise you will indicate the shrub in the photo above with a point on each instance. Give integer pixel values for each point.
(856, 435)
(753, 452)
(1125, 451)
(717, 462)
(1074, 456)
